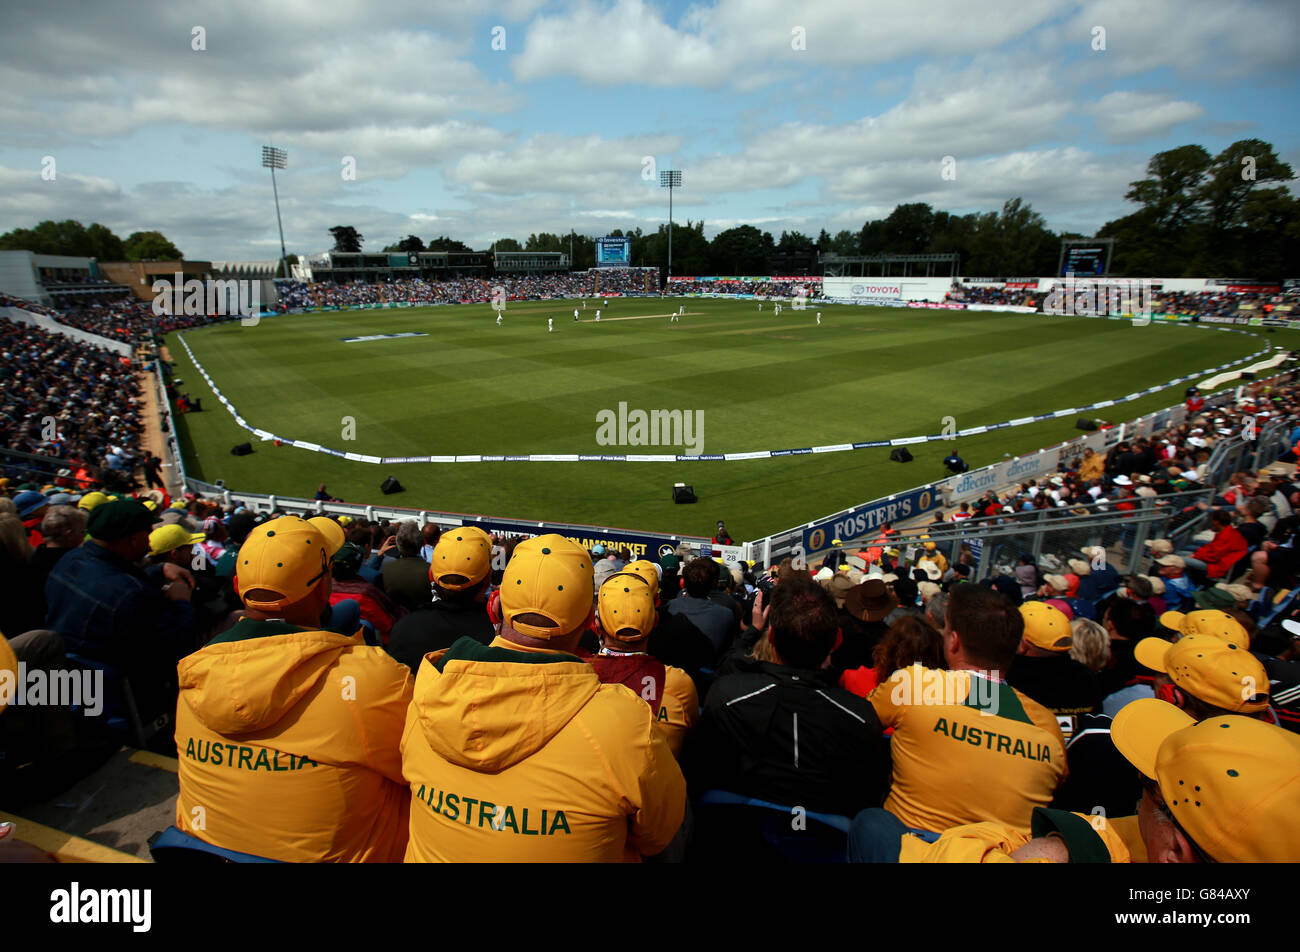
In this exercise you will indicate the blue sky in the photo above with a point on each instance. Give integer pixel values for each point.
(785, 115)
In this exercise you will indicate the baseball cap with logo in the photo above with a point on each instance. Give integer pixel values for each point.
(1046, 626)
(1231, 782)
(1221, 673)
(461, 558)
(282, 560)
(1209, 621)
(550, 581)
(626, 606)
(166, 538)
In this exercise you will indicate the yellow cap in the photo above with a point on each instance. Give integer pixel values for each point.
(166, 538)
(1231, 782)
(551, 577)
(285, 558)
(1210, 621)
(649, 571)
(1046, 626)
(1215, 672)
(626, 606)
(461, 559)
(90, 500)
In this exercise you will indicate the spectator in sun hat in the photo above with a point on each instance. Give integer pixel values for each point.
(516, 751)
(1157, 597)
(1206, 676)
(1179, 589)
(1247, 775)
(862, 622)
(461, 573)
(107, 608)
(625, 617)
(31, 507)
(287, 734)
(1043, 669)
(1087, 585)
(782, 730)
(1219, 790)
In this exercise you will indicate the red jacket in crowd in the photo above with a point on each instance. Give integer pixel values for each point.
(1223, 552)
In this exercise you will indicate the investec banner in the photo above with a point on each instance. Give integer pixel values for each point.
(867, 519)
(639, 545)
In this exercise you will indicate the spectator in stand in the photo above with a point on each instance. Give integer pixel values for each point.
(461, 573)
(912, 639)
(1014, 763)
(22, 606)
(1127, 622)
(107, 609)
(1044, 671)
(625, 617)
(1178, 587)
(781, 730)
(551, 765)
(1206, 676)
(376, 607)
(862, 624)
(31, 508)
(1217, 557)
(406, 578)
(1249, 772)
(63, 529)
(335, 736)
(716, 621)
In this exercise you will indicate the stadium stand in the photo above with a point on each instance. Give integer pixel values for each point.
(1082, 646)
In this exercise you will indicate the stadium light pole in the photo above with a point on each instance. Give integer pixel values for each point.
(670, 180)
(273, 158)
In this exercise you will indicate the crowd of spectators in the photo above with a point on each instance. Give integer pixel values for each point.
(993, 294)
(783, 288)
(525, 287)
(612, 706)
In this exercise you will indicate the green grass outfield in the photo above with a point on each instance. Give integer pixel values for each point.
(762, 382)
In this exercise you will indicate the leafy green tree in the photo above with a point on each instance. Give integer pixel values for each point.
(347, 238)
(740, 250)
(150, 246)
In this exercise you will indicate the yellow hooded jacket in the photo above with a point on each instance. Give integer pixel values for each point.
(288, 741)
(518, 754)
(1090, 839)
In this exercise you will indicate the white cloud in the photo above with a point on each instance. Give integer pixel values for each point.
(1125, 116)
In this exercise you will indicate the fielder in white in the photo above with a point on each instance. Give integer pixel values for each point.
(575, 313)
(550, 325)
(597, 315)
(499, 319)
(819, 318)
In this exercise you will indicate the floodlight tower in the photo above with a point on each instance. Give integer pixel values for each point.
(670, 180)
(273, 158)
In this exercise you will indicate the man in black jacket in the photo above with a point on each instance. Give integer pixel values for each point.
(782, 731)
(461, 572)
(1044, 671)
